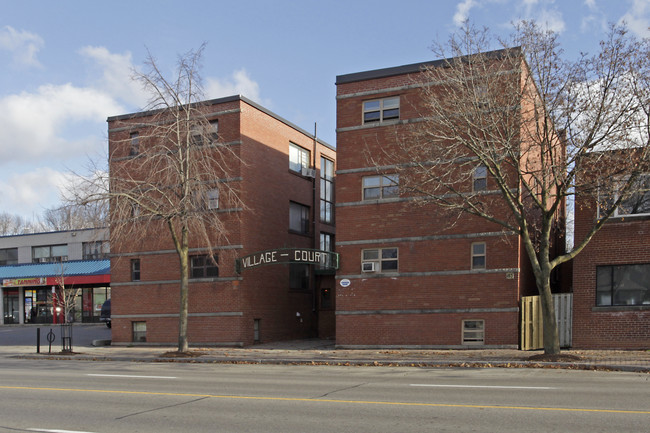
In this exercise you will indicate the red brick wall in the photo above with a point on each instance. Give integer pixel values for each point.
(620, 242)
(224, 311)
(435, 289)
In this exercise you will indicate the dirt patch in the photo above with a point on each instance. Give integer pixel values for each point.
(559, 357)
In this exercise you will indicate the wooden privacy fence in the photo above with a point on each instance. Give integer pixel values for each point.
(532, 327)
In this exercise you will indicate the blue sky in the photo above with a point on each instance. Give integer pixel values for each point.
(66, 64)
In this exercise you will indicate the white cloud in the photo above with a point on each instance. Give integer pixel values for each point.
(638, 18)
(462, 11)
(23, 45)
(33, 124)
(30, 192)
(552, 20)
(117, 75)
(240, 83)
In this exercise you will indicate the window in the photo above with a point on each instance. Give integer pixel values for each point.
(623, 285)
(50, 254)
(95, 250)
(198, 133)
(381, 110)
(204, 266)
(298, 218)
(139, 332)
(379, 260)
(326, 244)
(298, 276)
(638, 203)
(8, 256)
(473, 331)
(135, 144)
(214, 130)
(213, 198)
(298, 158)
(479, 178)
(326, 190)
(135, 210)
(379, 187)
(135, 269)
(478, 255)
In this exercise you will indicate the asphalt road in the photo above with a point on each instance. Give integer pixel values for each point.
(82, 396)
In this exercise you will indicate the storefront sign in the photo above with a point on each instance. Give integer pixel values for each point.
(24, 282)
(327, 259)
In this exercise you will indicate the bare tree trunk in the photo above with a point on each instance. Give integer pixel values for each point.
(551, 340)
(183, 255)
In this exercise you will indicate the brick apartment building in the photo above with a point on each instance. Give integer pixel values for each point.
(284, 177)
(33, 265)
(406, 279)
(611, 277)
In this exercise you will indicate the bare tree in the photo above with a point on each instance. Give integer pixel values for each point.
(65, 296)
(174, 176)
(510, 135)
(72, 216)
(14, 224)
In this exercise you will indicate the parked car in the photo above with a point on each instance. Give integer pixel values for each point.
(105, 315)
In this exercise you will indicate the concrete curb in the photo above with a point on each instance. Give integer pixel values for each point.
(351, 362)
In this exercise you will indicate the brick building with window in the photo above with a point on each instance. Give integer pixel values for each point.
(611, 276)
(262, 284)
(406, 277)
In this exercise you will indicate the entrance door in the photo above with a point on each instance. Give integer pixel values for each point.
(11, 307)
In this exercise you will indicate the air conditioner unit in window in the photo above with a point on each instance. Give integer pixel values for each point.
(308, 172)
(368, 266)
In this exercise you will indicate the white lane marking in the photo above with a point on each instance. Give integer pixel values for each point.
(56, 431)
(132, 376)
(482, 386)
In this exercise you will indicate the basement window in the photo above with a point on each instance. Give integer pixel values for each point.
(139, 332)
(473, 332)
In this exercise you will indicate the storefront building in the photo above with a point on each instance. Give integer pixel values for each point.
(54, 277)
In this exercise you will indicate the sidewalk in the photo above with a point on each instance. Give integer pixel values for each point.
(324, 352)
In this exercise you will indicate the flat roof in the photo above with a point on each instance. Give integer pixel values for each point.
(224, 100)
(409, 69)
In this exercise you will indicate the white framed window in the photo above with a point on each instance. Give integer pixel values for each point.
(96, 250)
(50, 254)
(473, 332)
(478, 255)
(212, 197)
(299, 158)
(623, 285)
(134, 148)
(380, 187)
(200, 132)
(637, 203)
(298, 218)
(214, 130)
(139, 330)
(381, 110)
(479, 178)
(379, 260)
